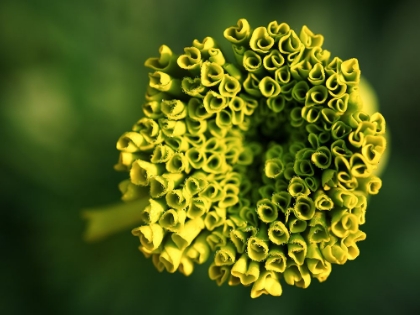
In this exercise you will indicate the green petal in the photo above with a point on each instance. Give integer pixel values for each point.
(319, 230)
(160, 186)
(317, 74)
(317, 95)
(161, 154)
(350, 243)
(226, 255)
(177, 199)
(278, 233)
(339, 104)
(193, 87)
(153, 211)
(312, 114)
(267, 210)
(335, 87)
(350, 72)
(344, 223)
(334, 66)
(172, 128)
(322, 157)
(166, 62)
(297, 248)
(238, 52)
(252, 63)
(196, 127)
(249, 215)
(214, 103)
(219, 273)
(304, 208)
(125, 160)
(277, 103)
(296, 225)
(152, 110)
(373, 148)
(198, 207)
(258, 247)
(282, 199)
(174, 109)
(150, 130)
(190, 60)
(319, 55)
(273, 168)
(177, 143)
(211, 74)
(195, 184)
(188, 233)
(238, 239)
(267, 283)
(276, 260)
(199, 251)
(261, 41)
(216, 239)
(309, 39)
(173, 220)
(246, 270)
(297, 187)
(370, 185)
(297, 275)
(213, 192)
(165, 83)
(238, 34)
(151, 236)
(277, 31)
(334, 251)
(343, 198)
(142, 171)
(300, 91)
(283, 76)
(153, 94)
(322, 201)
(215, 219)
(300, 69)
(131, 142)
(186, 266)
(315, 262)
(229, 86)
(290, 43)
(251, 85)
(273, 61)
(269, 87)
(171, 256)
(216, 56)
(339, 148)
(205, 46)
(157, 263)
(330, 116)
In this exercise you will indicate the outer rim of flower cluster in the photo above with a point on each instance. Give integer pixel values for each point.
(328, 177)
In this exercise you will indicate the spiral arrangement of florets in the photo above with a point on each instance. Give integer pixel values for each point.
(264, 165)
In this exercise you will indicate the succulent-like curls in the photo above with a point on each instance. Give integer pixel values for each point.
(266, 165)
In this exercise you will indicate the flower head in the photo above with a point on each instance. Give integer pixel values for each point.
(264, 165)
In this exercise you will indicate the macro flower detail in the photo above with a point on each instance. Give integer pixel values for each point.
(264, 165)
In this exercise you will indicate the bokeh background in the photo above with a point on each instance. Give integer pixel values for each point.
(72, 80)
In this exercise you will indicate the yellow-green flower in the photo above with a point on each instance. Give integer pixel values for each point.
(265, 164)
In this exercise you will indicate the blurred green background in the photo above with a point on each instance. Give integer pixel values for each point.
(72, 80)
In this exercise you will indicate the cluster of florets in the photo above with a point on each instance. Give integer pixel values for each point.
(265, 165)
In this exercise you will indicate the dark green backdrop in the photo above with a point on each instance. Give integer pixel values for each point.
(72, 80)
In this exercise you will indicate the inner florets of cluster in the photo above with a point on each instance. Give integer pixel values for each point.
(264, 165)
